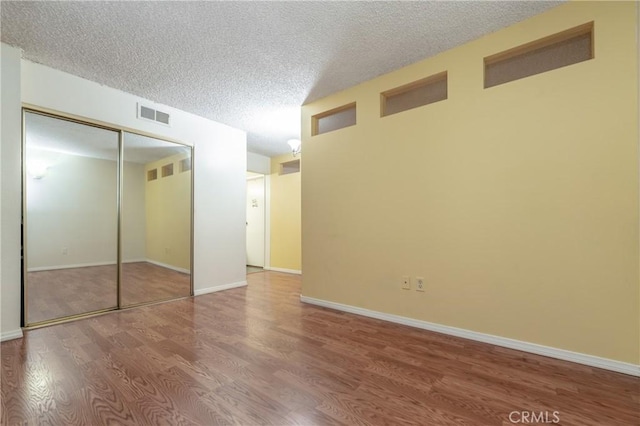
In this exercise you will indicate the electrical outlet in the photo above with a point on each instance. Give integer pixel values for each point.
(419, 284)
(406, 282)
(65, 250)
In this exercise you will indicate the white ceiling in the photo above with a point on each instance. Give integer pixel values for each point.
(247, 64)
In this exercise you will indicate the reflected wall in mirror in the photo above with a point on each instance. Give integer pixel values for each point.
(156, 220)
(70, 218)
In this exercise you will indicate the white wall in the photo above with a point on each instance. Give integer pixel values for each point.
(258, 163)
(72, 212)
(73, 208)
(11, 200)
(220, 193)
(220, 164)
(219, 171)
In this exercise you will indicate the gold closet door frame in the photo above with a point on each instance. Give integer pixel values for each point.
(28, 108)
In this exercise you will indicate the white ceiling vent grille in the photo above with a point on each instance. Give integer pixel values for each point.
(150, 114)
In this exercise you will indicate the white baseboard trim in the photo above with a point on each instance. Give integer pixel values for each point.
(85, 265)
(77, 265)
(165, 265)
(590, 360)
(287, 271)
(207, 290)
(10, 335)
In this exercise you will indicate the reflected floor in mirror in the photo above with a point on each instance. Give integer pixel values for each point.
(64, 292)
(254, 269)
(256, 355)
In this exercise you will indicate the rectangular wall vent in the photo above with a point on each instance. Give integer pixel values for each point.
(150, 114)
(162, 117)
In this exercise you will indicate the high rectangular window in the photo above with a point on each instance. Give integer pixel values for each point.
(289, 167)
(185, 165)
(555, 51)
(413, 95)
(167, 170)
(334, 119)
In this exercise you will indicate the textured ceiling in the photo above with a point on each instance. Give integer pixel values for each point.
(246, 64)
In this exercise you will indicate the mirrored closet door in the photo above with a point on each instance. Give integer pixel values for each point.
(107, 219)
(156, 220)
(71, 218)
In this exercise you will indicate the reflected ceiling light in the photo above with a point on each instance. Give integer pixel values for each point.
(296, 146)
(37, 169)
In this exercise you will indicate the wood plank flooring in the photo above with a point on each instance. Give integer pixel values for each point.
(257, 355)
(64, 292)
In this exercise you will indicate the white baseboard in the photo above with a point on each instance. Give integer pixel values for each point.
(77, 265)
(10, 335)
(165, 265)
(590, 360)
(207, 290)
(85, 265)
(287, 271)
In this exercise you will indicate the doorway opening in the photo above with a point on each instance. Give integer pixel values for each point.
(256, 222)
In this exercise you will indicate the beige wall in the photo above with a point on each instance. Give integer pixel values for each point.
(168, 215)
(518, 203)
(285, 217)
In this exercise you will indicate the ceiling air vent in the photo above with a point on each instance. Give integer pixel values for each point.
(146, 113)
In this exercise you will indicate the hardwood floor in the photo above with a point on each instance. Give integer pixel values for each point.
(64, 292)
(257, 355)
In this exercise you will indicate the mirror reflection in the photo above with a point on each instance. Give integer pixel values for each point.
(71, 218)
(156, 220)
(76, 259)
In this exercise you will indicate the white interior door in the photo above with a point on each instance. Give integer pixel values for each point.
(255, 220)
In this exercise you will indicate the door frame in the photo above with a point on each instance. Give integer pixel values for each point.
(267, 216)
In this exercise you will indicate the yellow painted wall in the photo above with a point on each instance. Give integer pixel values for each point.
(285, 216)
(168, 214)
(518, 203)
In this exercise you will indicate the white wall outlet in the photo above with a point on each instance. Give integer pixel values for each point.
(406, 282)
(65, 250)
(419, 283)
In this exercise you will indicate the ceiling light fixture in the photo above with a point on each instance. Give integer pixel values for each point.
(296, 146)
